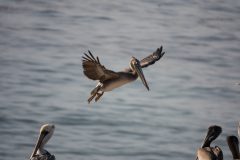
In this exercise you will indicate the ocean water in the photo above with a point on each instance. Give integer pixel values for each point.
(192, 87)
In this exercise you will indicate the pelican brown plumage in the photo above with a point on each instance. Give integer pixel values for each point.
(206, 152)
(39, 153)
(109, 80)
(233, 145)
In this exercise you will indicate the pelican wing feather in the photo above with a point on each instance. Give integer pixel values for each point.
(94, 70)
(151, 59)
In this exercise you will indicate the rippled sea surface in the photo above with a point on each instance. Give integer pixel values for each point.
(192, 87)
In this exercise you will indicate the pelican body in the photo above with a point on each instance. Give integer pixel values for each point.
(39, 153)
(206, 152)
(210, 153)
(109, 80)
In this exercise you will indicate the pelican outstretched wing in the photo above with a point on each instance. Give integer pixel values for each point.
(151, 59)
(94, 70)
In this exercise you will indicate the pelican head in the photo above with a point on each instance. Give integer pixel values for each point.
(45, 134)
(218, 152)
(212, 134)
(136, 68)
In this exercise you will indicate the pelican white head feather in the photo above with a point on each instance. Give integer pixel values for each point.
(45, 134)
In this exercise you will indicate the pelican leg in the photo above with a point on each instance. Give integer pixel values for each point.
(91, 97)
(94, 92)
(98, 96)
(96, 89)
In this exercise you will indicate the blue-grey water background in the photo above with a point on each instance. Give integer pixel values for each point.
(192, 86)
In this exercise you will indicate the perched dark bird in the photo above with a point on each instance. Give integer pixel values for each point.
(233, 144)
(109, 80)
(39, 153)
(206, 152)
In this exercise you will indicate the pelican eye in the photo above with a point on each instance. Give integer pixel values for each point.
(45, 132)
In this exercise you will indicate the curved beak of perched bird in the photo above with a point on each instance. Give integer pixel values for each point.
(212, 134)
(136, 67)
(206, 152)
(233, 144)
(46, 133)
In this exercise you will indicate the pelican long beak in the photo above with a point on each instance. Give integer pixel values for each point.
(206, 142)
(139, 71)
(39, 142)
(212, 134)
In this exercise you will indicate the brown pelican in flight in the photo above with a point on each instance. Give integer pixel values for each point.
(109, 80)
(39, 153)
(206, 152)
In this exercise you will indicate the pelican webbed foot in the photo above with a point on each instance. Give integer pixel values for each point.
(91, 97)
(94, 92)
(98, 96)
